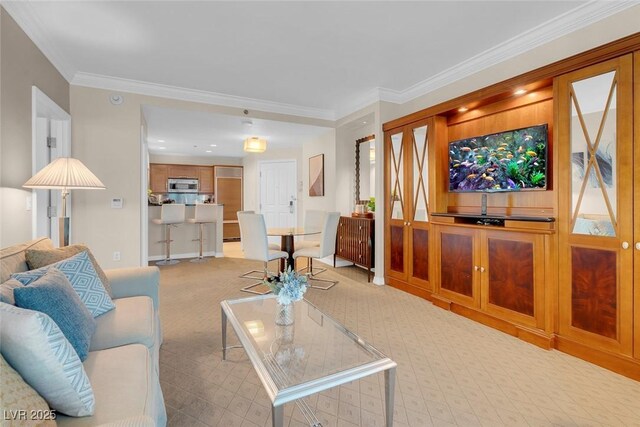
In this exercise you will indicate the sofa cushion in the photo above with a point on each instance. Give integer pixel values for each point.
(13, 259)
(20, 403)
(125, 385)
(52, 294)
(37, 258)
(84, 279)
(132, 321)
(35, 347)
(6, 291)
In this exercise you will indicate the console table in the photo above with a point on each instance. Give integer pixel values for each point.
(355, 242)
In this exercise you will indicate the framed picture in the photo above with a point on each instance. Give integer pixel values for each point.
(316, 175)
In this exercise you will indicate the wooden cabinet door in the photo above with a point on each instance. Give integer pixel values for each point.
(512, 276)
(418, 205)
(205, 179)
(396, 206)
(158, 175)
(458, 265)
(183, 171)
(636, 207)
(595, 154)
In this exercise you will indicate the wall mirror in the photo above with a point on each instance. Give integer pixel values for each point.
(365, 169)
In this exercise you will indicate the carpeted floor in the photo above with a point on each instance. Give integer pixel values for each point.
(451, 371)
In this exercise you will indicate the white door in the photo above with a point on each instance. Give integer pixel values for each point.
(51, 136)
(278, 193)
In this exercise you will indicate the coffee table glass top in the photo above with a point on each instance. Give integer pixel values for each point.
(314, 348)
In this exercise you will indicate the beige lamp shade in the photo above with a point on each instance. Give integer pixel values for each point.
(255, 145)
(65, 173)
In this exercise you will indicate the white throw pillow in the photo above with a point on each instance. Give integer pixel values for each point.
(34, 345)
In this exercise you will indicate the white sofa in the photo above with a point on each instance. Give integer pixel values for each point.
(122, 365)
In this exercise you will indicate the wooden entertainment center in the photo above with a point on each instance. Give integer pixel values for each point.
(559, 267)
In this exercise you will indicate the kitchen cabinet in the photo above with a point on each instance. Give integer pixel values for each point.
(183, 171)
(158, 176)
(228, 191)
(205, 179)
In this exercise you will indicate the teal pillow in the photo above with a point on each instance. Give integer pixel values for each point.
(53, 295)
(83, 278)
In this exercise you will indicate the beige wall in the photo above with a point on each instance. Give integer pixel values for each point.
(106, 138)
(602, 32)
(346, 136)
(194, 160)
(21, 66)
(326, 145)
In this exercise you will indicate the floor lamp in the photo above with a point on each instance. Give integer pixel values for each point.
(64, 173)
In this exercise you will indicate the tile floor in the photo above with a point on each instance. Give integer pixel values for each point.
(451, 370)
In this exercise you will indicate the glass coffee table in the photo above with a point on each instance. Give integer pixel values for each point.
(313, 354)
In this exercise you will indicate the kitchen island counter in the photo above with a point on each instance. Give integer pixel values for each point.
(183, 237)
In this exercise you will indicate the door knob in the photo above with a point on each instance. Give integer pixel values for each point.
(638, 246)
(625, 245)
(476, 268)
(481, 269)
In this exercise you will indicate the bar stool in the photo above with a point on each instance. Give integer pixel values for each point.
(170, 216)
(204, 214)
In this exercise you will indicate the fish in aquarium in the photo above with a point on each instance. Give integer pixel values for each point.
(506, 161)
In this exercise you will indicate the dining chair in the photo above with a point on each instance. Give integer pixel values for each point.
(313, 220)
(326, 248)
(256, 247)
(272, 246)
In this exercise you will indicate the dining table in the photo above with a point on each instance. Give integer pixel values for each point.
(287, 244)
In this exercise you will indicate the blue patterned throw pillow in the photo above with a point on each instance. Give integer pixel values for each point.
(35, 347)
(83, 278)
(52, 294)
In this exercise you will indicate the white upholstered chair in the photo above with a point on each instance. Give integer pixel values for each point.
(204, 214)
(171, 215)
(313, 219)
(326, 248)
(256, 246)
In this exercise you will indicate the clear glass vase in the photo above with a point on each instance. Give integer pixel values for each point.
(285, 314)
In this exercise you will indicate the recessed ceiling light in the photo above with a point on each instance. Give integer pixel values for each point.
(364, 122)
(161, 140)
(208, 151)
(463, 109)
(520, 92)
(161, 148)
(213, 145)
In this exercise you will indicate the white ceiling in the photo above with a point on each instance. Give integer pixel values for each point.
(192, 133)
(319, 59)
(322, 59)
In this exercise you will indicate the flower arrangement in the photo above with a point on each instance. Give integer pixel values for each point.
(289, 286)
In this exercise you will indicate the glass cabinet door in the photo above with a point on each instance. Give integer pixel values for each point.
(396, 209)
(418, 225)
(596, 205)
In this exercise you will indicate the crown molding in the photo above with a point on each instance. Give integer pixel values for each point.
(27, 20)
(194, 95)
(573, 20)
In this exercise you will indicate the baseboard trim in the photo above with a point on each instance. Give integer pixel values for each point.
(403, 286)
(624, 365)
(532, 336)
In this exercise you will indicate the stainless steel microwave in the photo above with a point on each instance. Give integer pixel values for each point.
(182, 185)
